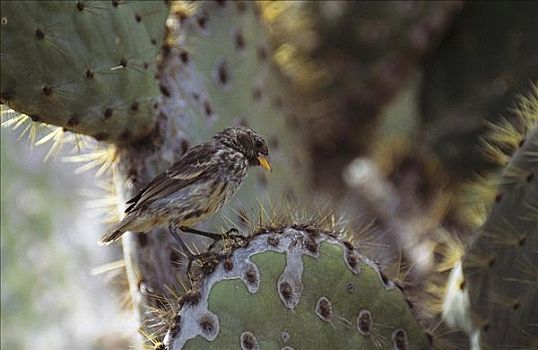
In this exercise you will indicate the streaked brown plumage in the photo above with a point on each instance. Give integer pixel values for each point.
(196, 186)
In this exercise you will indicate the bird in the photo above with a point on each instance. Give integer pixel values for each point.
(195, 187)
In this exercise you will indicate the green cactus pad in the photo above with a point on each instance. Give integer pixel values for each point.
(500, 267)
(295, 288)
(88, 66)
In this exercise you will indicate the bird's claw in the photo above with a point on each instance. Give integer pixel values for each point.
(230, 231)
(232, 234)
(192, 258)
(227, 235)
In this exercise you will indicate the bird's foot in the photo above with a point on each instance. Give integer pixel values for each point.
(230, 231)
(231, 234)
(193, 258)
(206, 259)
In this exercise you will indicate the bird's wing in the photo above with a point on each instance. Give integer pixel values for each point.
(195, 164)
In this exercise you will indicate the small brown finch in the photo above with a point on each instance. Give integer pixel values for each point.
(196, 186)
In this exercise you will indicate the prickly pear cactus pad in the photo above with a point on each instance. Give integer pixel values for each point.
(500, 268)
(88, 66)
(294, 288)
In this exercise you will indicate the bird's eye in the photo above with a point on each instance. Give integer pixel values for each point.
(259, 144)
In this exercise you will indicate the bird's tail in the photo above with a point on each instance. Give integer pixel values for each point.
(115, 232)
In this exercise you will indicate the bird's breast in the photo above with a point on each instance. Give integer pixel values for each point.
(201, 206)
(203, 199)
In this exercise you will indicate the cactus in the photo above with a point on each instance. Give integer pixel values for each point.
(86, 66)
(500, 266)
(293, 287)
(493, 292)
(216, 70)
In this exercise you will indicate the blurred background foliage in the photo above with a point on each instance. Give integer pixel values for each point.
(411, 85)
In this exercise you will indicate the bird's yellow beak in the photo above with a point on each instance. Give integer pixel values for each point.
(264, 162)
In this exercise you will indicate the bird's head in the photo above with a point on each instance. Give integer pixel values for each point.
(248, 142)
